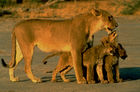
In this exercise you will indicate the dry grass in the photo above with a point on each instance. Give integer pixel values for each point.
(63, 9)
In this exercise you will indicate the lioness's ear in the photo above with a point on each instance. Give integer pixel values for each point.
(104, 43)
(95, 12)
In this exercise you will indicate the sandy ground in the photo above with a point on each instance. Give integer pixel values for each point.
(129, 36)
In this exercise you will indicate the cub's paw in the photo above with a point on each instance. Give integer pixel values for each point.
(104, 81)
(111, 81)
(91, 82)
(120, 80)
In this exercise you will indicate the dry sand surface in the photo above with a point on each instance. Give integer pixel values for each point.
(129, 36)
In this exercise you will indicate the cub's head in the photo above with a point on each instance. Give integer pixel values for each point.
(108, 47)
(107, 21)
(121, 51)
(110, 43)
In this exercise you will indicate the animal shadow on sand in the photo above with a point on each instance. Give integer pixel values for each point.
(58, 78)
(44, 79)
(129, 74)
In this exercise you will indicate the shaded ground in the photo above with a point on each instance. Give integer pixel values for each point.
(129, 36)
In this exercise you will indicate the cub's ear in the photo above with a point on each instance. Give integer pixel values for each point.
(95, 12)
(113, 36)
(120, 46)
(104, 42)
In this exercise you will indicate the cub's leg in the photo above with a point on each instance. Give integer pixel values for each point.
(55, 71)
(117, 73)
(61, 66)
(63, 70)
(63, 73)
(108, 69)
(99, 70)
(90, 74)
(58, 69)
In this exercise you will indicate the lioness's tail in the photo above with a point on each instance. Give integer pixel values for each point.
(12, 63)
(49, 56)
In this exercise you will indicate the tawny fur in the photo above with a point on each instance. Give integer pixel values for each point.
(69, 35)
(112, 62)
(92, 57)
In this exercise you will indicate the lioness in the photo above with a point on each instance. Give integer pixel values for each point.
(93, 56)
(112, 62)
(69, 35)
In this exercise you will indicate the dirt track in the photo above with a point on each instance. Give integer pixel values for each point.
(129, 36)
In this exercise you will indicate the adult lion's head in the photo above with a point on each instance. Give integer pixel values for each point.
(106, 19)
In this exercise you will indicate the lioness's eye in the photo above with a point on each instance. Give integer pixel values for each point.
(110, 18)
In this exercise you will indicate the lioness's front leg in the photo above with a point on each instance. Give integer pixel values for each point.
(77, 64)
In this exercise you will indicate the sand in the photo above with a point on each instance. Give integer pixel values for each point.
(129, 37)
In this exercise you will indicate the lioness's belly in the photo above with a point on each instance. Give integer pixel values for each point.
(53, 47)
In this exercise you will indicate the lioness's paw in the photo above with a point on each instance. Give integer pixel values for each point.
(14, 79)
(53, 80)
(82, 81)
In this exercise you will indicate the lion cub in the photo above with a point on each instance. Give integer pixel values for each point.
(91, 57)
(112, 62)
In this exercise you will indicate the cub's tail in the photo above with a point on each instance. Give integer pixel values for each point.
(51, 55)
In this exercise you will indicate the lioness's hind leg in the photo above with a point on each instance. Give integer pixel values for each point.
(12, 73)
(19, 57)
(28, 53)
